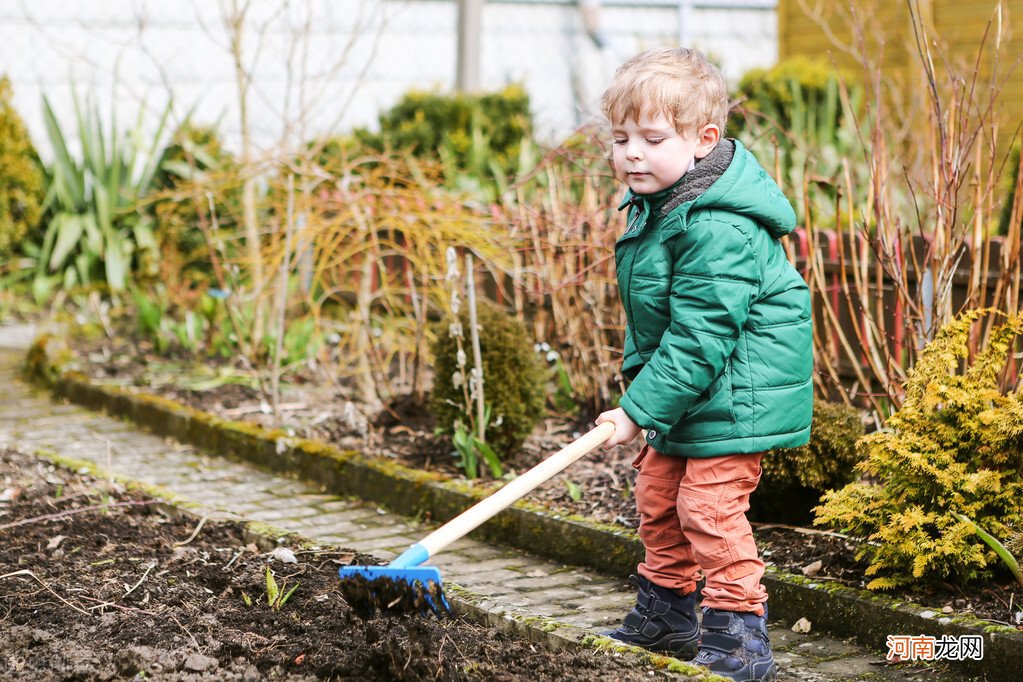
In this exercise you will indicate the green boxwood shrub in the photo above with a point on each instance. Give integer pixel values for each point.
(21, 176)
(794, 479)
(799, 81)
(464, 126)
(514, 378)
(954, 447)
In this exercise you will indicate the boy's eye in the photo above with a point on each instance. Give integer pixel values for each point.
(656, 140)
(620, 141)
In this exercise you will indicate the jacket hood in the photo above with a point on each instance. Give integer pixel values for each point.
(731, 179)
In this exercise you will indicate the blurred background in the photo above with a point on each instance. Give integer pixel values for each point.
(317, 67)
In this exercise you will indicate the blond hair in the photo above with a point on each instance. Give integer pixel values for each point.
(674, 81)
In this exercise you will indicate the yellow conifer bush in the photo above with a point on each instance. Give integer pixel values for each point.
(21, 176)
(954, 447)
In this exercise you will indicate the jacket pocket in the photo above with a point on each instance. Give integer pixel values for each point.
(712, 416)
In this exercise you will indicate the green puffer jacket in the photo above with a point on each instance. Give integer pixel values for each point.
(718, 343)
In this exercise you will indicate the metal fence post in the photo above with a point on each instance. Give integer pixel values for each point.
(470, 14)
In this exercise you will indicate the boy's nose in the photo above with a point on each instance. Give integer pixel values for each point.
(633, 152)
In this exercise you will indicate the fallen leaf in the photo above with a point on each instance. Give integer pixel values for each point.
(344, 559)
(54, 542)
(299, 659)
(813, 569)
(802, 626)
(9, 494)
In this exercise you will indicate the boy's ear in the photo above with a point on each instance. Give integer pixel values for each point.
(707, 138)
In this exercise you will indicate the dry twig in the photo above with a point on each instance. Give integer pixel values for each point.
(71, 512)
(29, 573)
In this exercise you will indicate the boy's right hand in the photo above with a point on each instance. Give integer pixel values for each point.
(625, 429)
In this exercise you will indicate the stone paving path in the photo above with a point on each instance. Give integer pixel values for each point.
(513, 581)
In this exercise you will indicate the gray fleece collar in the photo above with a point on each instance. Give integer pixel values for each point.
(697, 181)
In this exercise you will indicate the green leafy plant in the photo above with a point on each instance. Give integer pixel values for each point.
(954, 449)
(21, 176)
(470, 450)
(189, 332)
(562, 397)
(152, 319)
(96, 232)
(575, 491)
(1003, 553)
(301, 340)
(276, 597)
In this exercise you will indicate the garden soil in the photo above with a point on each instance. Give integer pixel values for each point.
(98, 584)
(598, 487)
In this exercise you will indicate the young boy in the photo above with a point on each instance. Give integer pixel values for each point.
(718, 351)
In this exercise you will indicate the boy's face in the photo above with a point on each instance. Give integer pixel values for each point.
(650, 155)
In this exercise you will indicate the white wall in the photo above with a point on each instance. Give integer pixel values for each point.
(327, 65)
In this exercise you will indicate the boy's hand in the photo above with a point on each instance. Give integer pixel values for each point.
(625, 428)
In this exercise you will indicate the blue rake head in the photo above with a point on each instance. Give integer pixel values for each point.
(392, 590)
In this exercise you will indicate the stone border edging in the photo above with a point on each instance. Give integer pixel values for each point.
(836, 609)
(547, 632)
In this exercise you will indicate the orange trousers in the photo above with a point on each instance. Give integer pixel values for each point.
(693, 520)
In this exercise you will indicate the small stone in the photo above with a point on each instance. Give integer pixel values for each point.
(946, 609)
(284, 555)
(802, 626)
(813, 569)
(927, 614)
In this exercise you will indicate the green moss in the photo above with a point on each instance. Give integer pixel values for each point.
(600, 643)
(269, 530)
(146, 490)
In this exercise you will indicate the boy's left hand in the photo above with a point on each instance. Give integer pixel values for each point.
(625, 429)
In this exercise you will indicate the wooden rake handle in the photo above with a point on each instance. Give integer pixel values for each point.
(518, 487)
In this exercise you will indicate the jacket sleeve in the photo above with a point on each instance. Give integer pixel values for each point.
(714, 281)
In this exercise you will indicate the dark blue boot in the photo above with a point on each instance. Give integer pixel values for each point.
(735, 645)
(661, 621)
